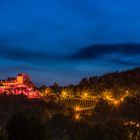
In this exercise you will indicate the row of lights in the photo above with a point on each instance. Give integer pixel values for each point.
(116, 101)
(64, 94)
(107, 97)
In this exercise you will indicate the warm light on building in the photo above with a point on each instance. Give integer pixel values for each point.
(19, 85)
(64, 93)
(19, 79)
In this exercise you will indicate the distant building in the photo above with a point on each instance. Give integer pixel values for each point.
(19, 85)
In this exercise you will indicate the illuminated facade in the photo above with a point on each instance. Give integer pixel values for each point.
(19, 85)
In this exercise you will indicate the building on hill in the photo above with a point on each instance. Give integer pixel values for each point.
(19, 85)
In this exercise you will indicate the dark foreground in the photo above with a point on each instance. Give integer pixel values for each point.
(36, 119)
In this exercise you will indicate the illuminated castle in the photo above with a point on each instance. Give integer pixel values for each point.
(19, 85)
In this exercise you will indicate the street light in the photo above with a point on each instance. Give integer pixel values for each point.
(77, 116)
(85, 95)
(122, 99)
(77, 108)
(107, 97)
(127, 91)
(116, 102)
(64, 93)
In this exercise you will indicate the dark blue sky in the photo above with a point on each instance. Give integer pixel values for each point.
(53, 40)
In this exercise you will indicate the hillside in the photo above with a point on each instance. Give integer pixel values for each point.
(116, 82)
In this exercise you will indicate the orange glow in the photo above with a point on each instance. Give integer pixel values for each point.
(85, 94)
(64, 93)
(77, 116)
(116, 102)
(107, 97)
(77, 108)
(122, 99)
(127, 91)
(20, 79)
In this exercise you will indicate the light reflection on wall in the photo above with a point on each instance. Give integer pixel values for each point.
(19, 85)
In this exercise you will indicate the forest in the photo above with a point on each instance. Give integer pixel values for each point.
(117, 83)
(22, 118)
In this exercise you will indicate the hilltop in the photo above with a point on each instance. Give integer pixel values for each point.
(115, 82)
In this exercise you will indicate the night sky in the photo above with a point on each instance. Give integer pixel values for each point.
(65, 40)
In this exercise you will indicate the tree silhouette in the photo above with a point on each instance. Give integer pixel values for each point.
(23, 127)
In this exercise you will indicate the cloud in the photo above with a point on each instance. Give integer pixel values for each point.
(17, 53)
(100, 51)
(123, 62)
(97, 51)
(103, 51)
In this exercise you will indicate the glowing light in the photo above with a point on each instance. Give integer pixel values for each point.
(116, 102)
(19, 86)
(85, 95)
(137, 125)
(107, 97)
(77, 116)
(127, 91)
(122, 99)
(64, 93)
(77, 108)
(20, 79)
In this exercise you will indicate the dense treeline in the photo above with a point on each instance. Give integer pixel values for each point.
(116, 82)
